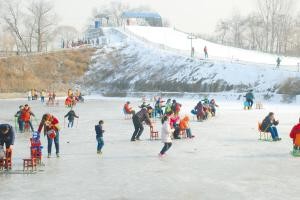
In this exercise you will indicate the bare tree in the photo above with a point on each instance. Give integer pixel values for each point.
(12, 18)
(42, 13)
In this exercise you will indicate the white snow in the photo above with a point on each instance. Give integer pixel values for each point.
(224, 161)
(170, 38)
(137, 60)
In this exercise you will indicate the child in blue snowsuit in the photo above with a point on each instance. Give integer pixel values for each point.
(99, 136)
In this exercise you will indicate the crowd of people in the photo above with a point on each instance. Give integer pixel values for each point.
(73, 98)
(174, 124)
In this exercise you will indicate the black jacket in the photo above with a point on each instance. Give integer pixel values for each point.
(9, 137)
(143, 116)
(71, 115)
(99, 131)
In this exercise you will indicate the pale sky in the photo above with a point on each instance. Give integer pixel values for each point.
(199, 16)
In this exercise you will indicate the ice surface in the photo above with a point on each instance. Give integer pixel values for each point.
(224, 161)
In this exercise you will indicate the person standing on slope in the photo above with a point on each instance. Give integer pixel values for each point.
(205, 52)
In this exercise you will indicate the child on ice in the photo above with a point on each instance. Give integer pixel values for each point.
(166, 132)
(71, 116)
(99, 136)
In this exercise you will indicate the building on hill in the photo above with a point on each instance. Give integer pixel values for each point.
(141, 19)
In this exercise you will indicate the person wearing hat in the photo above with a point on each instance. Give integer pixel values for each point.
(138, 119)
(51, 129)
(7, 136)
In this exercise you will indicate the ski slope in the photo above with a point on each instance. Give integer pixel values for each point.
(170, 38)
(131, 61)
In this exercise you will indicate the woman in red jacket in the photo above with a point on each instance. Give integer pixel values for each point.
(295, 133)
(51, 129)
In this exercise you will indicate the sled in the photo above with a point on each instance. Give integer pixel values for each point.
(263, 135)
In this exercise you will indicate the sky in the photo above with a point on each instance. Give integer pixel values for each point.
(198, 16)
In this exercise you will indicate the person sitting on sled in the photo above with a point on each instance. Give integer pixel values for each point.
(7, 136)
(127, 108)
(269, 125)
(185, 125)
(174, 123)
(295, 135)
(71, 116)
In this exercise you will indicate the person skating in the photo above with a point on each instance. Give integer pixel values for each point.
(51, 129)
(26, 117)
(278, 61)
(269, 125)
(295, 135)
(168, 106)
(99, 136)
(138, 119)
(7, 136)
(19, 119)
(213, 105)
(71, 116)
(166, 133)
(249, 98)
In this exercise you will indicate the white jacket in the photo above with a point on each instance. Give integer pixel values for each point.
(166, 132)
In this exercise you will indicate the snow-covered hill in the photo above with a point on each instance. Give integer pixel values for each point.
(170, 38)
(128, 63)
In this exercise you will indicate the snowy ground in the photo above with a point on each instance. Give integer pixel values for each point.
(224, 161)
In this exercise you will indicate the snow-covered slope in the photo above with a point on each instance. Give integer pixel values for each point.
(129, 64)
(171, 38)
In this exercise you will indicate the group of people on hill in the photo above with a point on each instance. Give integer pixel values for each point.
(73, 98)
(205, 51)
(204, 109)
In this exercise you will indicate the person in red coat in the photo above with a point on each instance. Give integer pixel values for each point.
(295, 132)
(51, 129)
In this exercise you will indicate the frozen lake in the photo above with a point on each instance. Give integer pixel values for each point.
(224, 161)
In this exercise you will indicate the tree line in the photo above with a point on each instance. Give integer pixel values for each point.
(274, 28)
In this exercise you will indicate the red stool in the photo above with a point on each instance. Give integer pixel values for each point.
(2, 164)
(29, 163)
(153, 134)
(182, 133)
(36, 153)
(8, 160)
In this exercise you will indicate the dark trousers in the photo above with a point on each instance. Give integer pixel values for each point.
(176, 132)
(100, 143)
(7, 144)
(166, 147)
(21, 127)
(56, 142)
(30, 124)
(250, 101)
(70, 124)
(138, 128)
